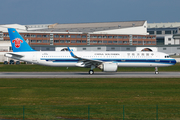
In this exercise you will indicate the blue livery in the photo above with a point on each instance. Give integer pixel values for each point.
(162, 61)
(17, 42)
(72, 54)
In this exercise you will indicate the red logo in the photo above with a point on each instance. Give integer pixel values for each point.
(17, 42)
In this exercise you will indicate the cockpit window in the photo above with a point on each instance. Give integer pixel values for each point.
(167, 56)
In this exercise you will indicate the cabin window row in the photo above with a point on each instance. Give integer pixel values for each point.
(140, 54)
(108, 56)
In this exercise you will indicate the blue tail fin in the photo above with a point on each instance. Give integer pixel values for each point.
(17, 42)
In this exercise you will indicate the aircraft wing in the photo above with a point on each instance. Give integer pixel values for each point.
(86, 62)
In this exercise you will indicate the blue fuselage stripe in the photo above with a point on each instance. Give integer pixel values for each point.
(162, 61)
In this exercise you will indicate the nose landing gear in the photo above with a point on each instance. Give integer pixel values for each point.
(91, 72)
(156, 71)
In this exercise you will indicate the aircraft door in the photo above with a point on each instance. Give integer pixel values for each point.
(34, 58)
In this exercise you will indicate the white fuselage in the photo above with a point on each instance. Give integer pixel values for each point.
(123, 59)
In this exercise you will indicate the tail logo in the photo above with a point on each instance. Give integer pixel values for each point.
(17, 42)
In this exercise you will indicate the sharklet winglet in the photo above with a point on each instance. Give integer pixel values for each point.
(72, 54)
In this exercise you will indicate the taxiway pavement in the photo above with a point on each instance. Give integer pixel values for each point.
(86, 75)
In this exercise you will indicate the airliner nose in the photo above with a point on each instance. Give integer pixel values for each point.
(174, 61)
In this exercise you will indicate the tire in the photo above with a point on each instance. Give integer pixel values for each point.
(17, 62)
(11, 62)
(5, 62)
(91, 72)
(156, 72)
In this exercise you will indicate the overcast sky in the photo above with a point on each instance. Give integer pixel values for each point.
(85, 11)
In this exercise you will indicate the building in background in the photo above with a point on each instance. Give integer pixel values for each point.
(164, 32)
(108, 36)
(109, 33)
(176, 37)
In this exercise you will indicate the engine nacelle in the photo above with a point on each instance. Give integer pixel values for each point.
(80, 64)
(108, 67)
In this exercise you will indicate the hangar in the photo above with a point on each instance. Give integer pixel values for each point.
(108, 33)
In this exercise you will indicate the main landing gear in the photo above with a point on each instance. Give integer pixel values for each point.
(156, 71)
(91, 71)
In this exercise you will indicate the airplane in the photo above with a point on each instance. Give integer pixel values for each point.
(107, 61)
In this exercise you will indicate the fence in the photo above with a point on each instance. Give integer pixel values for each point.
(92, 112)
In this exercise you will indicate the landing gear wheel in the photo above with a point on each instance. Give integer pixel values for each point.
(91, 72)
(156, 72)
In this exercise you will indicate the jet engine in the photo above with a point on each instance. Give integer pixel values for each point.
(108, 67)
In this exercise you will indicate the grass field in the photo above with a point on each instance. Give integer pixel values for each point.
(97, 98)
(39, 68)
